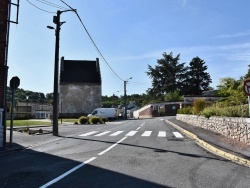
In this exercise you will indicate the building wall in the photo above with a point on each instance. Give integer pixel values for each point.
(3, 67)
(79, 99)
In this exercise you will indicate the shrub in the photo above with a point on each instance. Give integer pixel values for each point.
(185, 110)
(199, 105)
(211, 111)
(94, 120)
(83, 120)
(76, 123)
(103, 119)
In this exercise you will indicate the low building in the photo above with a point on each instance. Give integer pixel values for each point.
(32, 110)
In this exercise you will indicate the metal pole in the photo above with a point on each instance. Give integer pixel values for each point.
(248, 97)
(55, 94)
(61, 111)
(11, 120)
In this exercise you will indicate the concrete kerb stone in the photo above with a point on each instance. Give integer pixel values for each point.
(211, 148)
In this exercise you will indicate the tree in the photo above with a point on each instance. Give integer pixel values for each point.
(248, 73)
(173, 96)
(232, 90)
(198, 79)
(167, 76)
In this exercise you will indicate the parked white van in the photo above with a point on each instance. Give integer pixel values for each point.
(109, 113)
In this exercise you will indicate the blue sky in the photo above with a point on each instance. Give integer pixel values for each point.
(131, 34)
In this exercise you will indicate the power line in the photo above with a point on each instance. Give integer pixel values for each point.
(93, 41)
(51, 4)
(40, 8)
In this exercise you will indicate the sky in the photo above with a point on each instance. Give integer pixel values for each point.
(131, 34)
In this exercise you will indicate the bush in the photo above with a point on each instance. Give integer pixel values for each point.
(230, 111)
(94, 119)
(199, 105)
(185, 110)
(103, 119)
(210, 111)
(83, 120)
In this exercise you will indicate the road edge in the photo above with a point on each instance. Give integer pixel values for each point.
(211, 148)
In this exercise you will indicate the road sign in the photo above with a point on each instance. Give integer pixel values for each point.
(14, 82)
(246, 87)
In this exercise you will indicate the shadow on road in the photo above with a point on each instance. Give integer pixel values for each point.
(29, 168)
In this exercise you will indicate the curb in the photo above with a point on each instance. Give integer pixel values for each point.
(211, 148)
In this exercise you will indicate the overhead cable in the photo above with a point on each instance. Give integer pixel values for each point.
(39, 7)
(93, 41)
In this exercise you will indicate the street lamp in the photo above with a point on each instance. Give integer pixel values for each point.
(125, 98)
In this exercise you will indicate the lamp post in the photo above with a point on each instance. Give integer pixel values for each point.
(125, 98)
(56, 20)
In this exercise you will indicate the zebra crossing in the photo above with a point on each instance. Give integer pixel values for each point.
(160, 134)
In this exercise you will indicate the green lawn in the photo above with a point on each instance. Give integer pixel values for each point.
(32, 123)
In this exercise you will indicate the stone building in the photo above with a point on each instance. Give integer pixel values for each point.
(80, 87)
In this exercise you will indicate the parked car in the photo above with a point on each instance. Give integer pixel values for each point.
(109, 113)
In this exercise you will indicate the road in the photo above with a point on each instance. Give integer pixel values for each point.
(133, 153)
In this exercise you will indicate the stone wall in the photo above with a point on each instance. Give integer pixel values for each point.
(232, 127)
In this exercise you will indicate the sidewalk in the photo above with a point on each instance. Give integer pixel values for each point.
(218, 142)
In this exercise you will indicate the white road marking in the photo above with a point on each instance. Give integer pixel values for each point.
(138, 128)
(162, 134)
(67, 173)
(147, 133)
(111, 146)
(131, 133)
(116, 133)
(178, 135)
(142, 124)
(89, 133)
(103, 133)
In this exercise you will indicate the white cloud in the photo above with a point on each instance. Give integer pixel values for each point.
(240, 34)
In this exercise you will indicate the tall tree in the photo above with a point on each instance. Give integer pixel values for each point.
(248, 73)
(167, 75)
(198, 79)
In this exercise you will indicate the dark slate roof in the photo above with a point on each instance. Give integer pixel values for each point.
(74, 71)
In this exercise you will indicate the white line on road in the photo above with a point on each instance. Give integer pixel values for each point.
(89, 133)
(112, 146)
(147, 133)
(131, 133)
(103, 133)
(138, 128)
(142, 124)
(67, 173)
(116, 133)
(178, 135)
(162, 134)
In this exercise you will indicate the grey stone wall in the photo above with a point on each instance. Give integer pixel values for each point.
(80, 98)
(232, 127)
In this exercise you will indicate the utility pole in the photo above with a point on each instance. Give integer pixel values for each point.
(125, 98)
(56, 20)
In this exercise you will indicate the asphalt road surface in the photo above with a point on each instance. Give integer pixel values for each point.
(133, 153)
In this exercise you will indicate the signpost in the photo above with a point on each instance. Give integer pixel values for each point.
(246, 88)
(14, 83)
